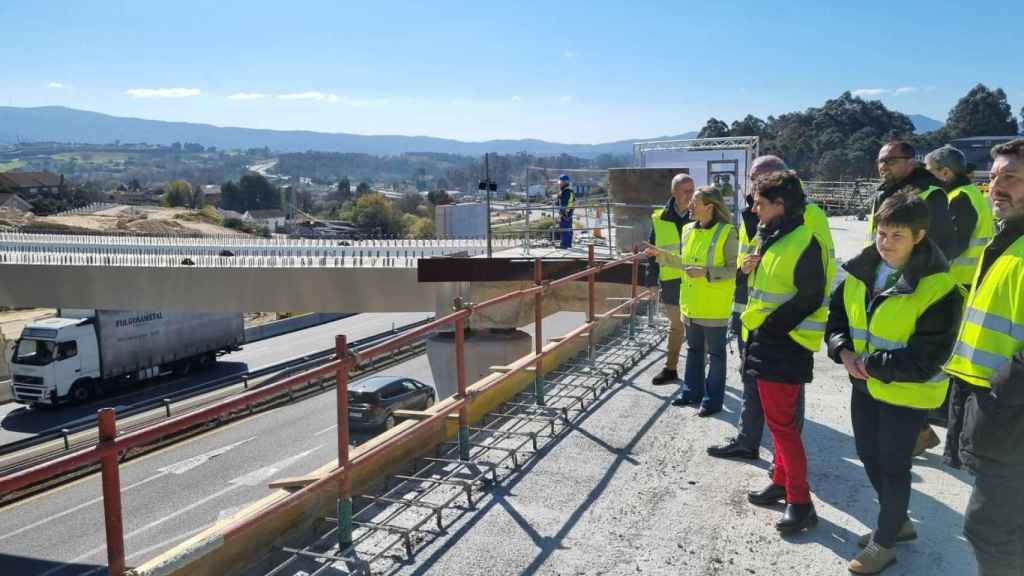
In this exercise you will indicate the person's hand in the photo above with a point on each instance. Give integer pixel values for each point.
(854, 364)
(750, 263)
(651, 250)
(695, 271)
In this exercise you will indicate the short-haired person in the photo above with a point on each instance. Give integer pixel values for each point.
(989, 358)
(708, 262)
(566, 204)
(784, 324)
(666, 234)
(972, 213)
(892, 323)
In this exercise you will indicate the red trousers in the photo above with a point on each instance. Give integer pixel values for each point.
(779, 401)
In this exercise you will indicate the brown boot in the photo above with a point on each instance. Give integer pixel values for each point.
(926, 439)
(872, 559)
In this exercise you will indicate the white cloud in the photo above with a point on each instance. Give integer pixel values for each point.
(247, 96)
(315, 96)
(55, 85)
(876, 92)
(162, 92)
(565, 99)
(517, 99)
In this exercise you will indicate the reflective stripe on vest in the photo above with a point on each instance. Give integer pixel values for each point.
(890, 326)
(963, 266)
(772, 284)
(993, 327)
(666, 237)
(699, 298)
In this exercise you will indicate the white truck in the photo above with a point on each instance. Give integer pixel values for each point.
(80, 353)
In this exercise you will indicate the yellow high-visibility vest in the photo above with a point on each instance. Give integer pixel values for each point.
(699, 298)
(964, 265)
(666, 237)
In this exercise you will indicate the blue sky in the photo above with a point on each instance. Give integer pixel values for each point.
(562, 71)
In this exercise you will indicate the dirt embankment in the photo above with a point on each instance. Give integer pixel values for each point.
(142, 220)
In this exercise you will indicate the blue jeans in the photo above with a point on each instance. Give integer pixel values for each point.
(565, 223)
(709, 390)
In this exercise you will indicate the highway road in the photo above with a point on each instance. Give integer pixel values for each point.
(18, 421)
(177, 491)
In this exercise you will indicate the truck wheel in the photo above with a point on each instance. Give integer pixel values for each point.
(206, 360)
(183, 368)
(389, 422)
(82, 392)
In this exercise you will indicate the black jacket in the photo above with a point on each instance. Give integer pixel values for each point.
(750, 224)
(993, 432)
(771, 353)
(670, 288)
(964, 217)
(934, 333)
(940, 227)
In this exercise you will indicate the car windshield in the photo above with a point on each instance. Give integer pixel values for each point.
(34, 352)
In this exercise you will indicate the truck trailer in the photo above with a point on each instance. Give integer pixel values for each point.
(81, 353)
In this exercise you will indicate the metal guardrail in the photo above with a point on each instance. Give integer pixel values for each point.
(279, 370)
(112, 445)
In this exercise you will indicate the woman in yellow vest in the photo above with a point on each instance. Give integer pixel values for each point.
(708, 261)
(892, 324)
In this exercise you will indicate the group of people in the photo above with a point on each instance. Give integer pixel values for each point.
(930, 311)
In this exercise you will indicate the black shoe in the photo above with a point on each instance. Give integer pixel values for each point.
(704, 411)
(684, 401)
(664, 377)
(773, 494)
(733, 449)
(798, 517)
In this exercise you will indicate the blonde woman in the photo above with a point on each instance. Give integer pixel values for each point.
(708, 261)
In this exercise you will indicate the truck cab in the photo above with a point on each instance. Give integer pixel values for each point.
(55, 358)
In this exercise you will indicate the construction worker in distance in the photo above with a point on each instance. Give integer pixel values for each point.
(892, 323)
(783, 325)
(972, 214)
(666, 234)
(566, 203)
(708, 262)
(989, 358)
(747, 442)
(899, 170)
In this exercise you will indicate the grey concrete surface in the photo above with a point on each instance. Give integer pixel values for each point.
(175, 492)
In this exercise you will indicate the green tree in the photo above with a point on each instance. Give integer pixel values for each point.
(363, 189)
(258, 192)
(231, 197)
(178, 193)
(715, 128)
(439, 197)
(981, 112)
(375, 215)
(343, 192)
(749, 126)
(409, 202)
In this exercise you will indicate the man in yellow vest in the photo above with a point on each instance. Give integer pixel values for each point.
(989, 358)
(666, 233)
(783, 325)
(892, 323)
(972, 215)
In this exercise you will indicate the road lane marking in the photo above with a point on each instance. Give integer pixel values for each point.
(325, 430)
(176, 468)
(249, 479)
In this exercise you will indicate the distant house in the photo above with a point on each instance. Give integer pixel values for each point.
(230, 214)
(31, 184)
(976, 149)
(11, 201)
(270, 219)
(211, 195)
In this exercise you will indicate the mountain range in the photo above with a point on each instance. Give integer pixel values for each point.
(60, 124)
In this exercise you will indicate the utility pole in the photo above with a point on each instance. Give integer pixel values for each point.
(489, 186)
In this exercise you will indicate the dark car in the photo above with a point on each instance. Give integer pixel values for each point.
(372, 401)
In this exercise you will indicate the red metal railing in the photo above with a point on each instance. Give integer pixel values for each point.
(111, 446)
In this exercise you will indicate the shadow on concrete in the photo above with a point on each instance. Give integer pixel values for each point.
(499, 495)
